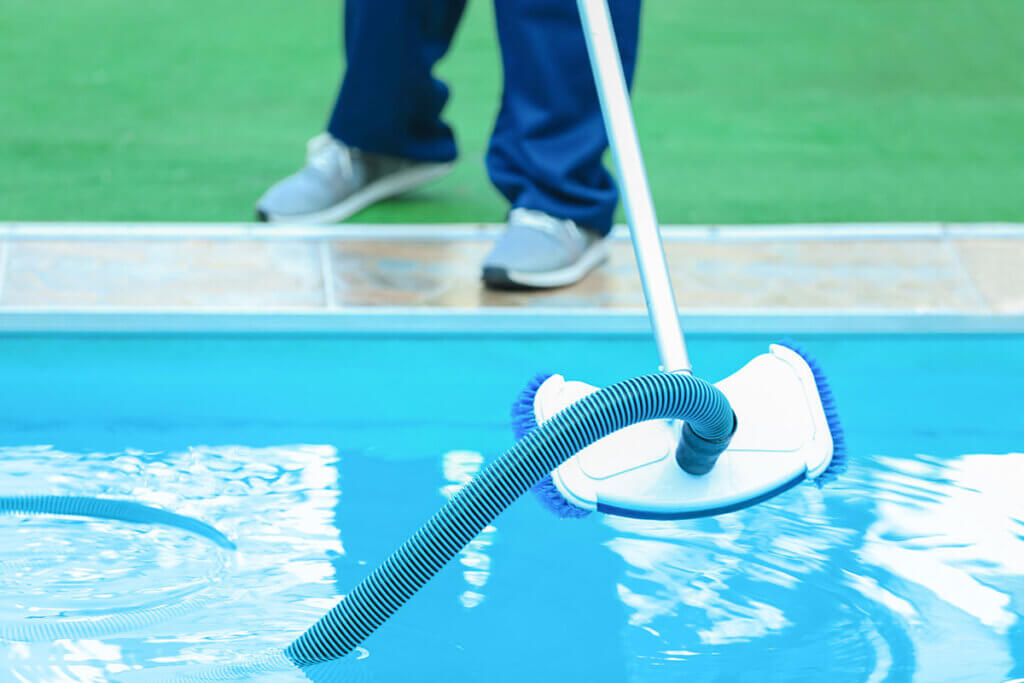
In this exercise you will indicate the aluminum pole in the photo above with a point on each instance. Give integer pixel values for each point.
(632, 180)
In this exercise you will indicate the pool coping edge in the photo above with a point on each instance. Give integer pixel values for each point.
(433, 320)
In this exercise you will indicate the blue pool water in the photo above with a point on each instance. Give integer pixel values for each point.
(316, 456)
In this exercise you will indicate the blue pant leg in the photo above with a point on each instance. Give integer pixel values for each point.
(389, 102)
(546, 149)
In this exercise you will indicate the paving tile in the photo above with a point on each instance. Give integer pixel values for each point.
(447, 274)
(911, 274)
(406, 273)
(202, 274)
(877, 274)
(997, 268)
(921, 274)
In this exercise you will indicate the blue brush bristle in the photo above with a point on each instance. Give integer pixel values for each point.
(551, 498)
(523, 419)
(523, 422)
(828, 402)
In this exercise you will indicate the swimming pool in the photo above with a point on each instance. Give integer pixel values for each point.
(317, 455)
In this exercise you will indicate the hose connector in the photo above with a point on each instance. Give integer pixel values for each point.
(697, 455)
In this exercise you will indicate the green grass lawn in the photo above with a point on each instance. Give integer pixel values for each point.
(773, 111)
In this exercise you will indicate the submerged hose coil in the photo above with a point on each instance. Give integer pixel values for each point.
(101, 625)
(389, 586)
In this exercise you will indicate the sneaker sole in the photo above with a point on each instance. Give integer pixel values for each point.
(497, 277)
(379, 190)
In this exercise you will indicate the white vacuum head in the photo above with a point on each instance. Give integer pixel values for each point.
(783, 437)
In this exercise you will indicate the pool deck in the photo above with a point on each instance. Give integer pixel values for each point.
(920, 277)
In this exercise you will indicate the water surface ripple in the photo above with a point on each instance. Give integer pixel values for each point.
(908, 568)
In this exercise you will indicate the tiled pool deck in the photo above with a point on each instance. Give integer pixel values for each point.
(167, 277)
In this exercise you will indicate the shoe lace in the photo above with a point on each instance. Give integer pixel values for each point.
(326, 154)
(566, 231)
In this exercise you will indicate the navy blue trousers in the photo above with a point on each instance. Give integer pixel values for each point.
(545, 151)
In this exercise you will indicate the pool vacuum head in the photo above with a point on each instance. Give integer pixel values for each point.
(786, 432)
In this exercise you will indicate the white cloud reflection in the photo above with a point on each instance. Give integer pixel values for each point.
(459, 468)
(913, 564)
(964, 527)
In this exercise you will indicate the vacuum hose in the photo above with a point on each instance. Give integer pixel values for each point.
(379, 595)
(109, 508)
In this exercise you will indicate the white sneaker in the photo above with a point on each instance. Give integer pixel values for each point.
(339, 181)
(539, 251)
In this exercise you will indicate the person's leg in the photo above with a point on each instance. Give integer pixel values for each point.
(385, 135)
(545, 152)
(389, 102)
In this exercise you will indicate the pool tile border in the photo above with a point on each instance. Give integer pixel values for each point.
(896, 277)
(434, 321)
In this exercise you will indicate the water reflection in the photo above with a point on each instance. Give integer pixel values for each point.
(908, 568)
(698, 564)
(948, 538)
(459, 468)
(937, 561)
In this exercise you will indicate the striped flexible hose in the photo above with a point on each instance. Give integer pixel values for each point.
(109, 508)
(389, 586)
